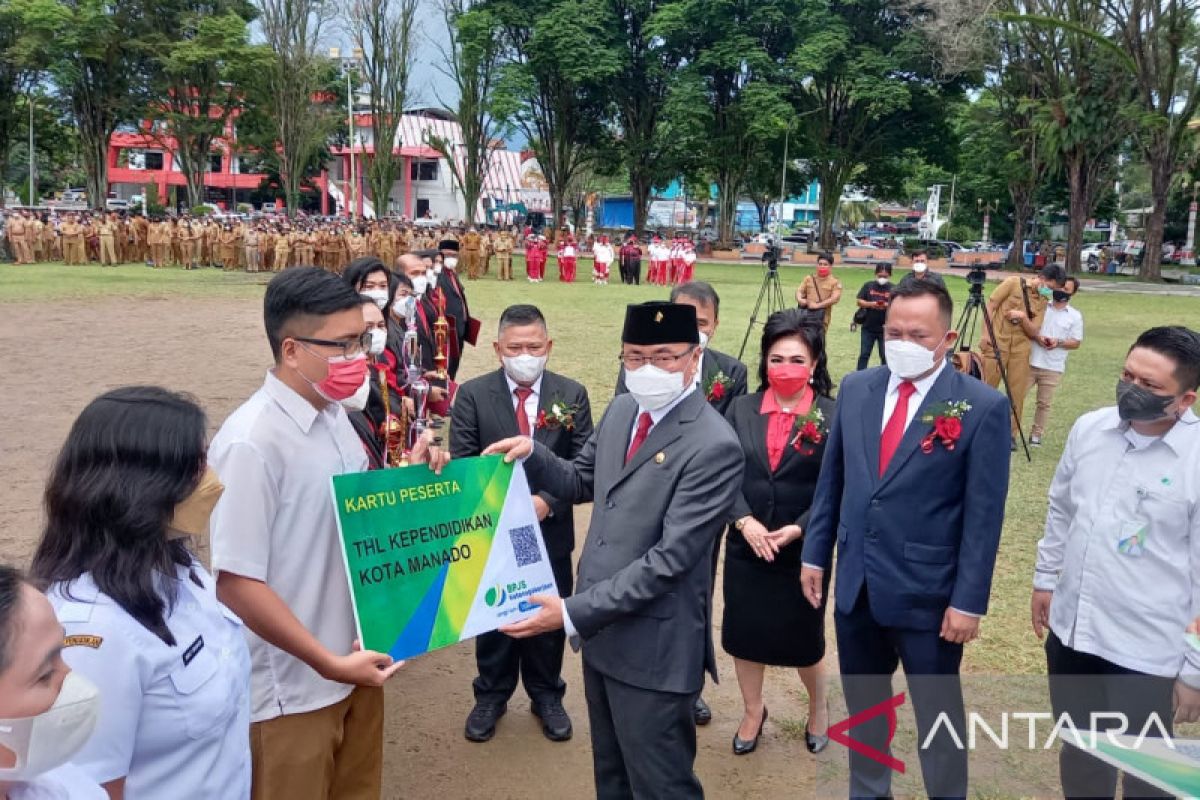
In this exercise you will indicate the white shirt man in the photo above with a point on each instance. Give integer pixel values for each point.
(1116, 579)
(1061, 332)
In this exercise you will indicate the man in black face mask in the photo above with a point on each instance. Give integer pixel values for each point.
(1116, 579)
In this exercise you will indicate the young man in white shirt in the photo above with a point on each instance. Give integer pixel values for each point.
(1116, 580)
(316, 701)
(1062, 331)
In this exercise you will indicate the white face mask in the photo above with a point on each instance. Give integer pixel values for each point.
(524, 368)
(450, 262)
(50, 739)
(420, 284)
(380, 296)
(358, 400)
(920, 268)
(378, 341)
(703, 340)
(908, 360)
(881, 281)
(653, 387)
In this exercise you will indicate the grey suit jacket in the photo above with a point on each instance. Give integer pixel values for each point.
(643, 599)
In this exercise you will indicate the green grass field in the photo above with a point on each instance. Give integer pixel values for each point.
(585, 323)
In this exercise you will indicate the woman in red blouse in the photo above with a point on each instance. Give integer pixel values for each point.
(767, 621)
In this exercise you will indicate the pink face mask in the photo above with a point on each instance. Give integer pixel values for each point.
(345, 377)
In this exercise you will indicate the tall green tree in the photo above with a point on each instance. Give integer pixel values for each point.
(385, 31)
(555, 68)
(472, 56)
(292, 94)
(202, 61)
(727, 102)
(16, 80)
(639, 93)
(1162, 39)
(867, 94)
(93, 57)
(1081, 93)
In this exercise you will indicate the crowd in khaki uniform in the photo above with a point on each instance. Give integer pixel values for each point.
(75, 237)
(258, 245)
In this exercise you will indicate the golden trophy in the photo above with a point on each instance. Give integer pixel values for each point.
(441, 335)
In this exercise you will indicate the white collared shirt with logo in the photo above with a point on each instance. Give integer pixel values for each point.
(1121, 549)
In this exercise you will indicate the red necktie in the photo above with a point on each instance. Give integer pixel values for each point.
(643, 430)
(893, 432)
(522, 393)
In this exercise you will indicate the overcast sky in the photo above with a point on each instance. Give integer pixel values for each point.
(429, 87)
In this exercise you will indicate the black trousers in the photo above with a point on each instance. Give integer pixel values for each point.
(631, 272)
(1082, 684)
(643, 741)
(868, 654)
(868, 340)
(536, 661)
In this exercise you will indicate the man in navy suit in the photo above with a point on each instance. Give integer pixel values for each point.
(912, 490)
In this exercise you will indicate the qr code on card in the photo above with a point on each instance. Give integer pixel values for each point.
(525, 545)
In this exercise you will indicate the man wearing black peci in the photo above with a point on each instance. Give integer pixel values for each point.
(523, 398)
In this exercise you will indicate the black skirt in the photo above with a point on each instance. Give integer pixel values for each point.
(767, 619)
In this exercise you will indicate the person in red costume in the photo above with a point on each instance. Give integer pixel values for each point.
(567, 253)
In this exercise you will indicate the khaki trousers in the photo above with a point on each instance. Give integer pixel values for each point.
(1047, 382)
(505, 261)
(1016, 369)
(333, 753)
(108, 250)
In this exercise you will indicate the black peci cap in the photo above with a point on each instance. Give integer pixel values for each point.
(660, 323)
(448, 244)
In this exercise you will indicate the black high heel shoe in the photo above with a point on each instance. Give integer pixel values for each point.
(814, 743)
(741, 747)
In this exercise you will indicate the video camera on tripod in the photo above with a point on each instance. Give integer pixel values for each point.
(770, 256)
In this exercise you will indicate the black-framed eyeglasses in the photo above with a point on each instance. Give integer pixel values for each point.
(349, 347)
(660, 361)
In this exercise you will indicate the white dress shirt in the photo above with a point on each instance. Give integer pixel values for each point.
(174, 719)
(1062, 324)
(655, 418)
(276, 523)
(531, 403)
(1121, 550)
(67, 782)
(914, 401)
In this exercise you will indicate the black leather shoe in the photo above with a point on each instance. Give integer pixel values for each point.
(481, 722)
(741, 747)
(813, 742)
(701, 712)
(556, 725)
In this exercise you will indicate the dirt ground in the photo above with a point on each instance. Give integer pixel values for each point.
(214, 349)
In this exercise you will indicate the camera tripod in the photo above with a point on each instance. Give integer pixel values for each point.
(770, 291)
(968, 323)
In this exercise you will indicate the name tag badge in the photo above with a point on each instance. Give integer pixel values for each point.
(1132, 538)
(193, 650)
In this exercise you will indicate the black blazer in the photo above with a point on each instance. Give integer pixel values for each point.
(483, 413)
(714, 362)
(779, 498)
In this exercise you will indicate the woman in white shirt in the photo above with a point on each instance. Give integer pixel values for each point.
(140, 613)
(47, 711)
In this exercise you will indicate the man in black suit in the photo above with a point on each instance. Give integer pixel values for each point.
(522, 398)
(721, 378)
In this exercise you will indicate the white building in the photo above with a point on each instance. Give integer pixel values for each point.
(427, 186)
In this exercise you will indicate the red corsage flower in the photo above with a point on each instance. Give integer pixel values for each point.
(947, 425)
